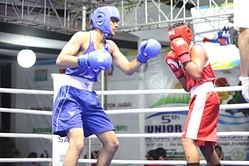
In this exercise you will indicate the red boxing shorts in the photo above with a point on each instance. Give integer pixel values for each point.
(202, 119)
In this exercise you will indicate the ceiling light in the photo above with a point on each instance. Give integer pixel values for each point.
(26, 58)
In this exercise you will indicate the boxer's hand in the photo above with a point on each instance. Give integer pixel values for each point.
(181, 49)
(148, 49)
(99, 59)
(172, 60)
(245, 87)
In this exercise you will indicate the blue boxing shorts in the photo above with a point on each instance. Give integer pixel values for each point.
(78, 108)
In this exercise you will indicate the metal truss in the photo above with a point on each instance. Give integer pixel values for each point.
(68, 16)
(154, 14)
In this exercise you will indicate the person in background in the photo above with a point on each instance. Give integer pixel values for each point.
(34, 155)
(77, 111)
(157, 154)
(190, 64)
(219, 152)
(241, 22)
(162, 155)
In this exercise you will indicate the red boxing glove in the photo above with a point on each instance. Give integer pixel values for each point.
(172, 60)
(181, 49)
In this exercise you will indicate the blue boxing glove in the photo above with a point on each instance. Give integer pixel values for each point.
(148, 49)
(97, 60)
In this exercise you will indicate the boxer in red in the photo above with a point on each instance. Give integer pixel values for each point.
(190, 64)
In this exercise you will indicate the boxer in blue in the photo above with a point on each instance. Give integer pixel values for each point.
(77, 111)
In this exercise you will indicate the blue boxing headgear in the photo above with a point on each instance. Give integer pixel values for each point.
(102, 16)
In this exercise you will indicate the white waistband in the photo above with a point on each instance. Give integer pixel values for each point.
(77, 82)
(203, 88)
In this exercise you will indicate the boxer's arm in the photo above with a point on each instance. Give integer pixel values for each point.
(182, 81)
(68, 55)
(129, 67)
(172, 61)
(120, 60)
(198, 60)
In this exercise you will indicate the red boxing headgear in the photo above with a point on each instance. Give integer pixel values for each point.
(183, 31)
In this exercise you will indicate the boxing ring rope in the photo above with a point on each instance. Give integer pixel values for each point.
(124, 111)
(117, 92)
(127, 135)
(158, 162)
(133, 135)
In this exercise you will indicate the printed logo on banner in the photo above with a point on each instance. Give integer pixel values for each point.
(62, 139)
(166, 122)
(60, 145)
